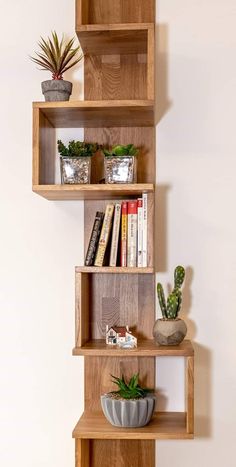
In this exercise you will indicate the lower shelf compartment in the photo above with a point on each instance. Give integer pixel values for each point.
(164, 425)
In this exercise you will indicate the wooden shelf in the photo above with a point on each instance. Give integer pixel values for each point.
(96, 192)
(113, 270)
(96, 114)
(146, 348)
(110, 39)
(164, 425)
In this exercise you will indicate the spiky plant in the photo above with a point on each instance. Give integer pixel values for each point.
(57, 56)
(170, 308)
(129, 390)
(121, 151)
(77, 149)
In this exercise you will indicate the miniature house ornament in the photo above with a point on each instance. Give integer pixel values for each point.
(121, 336)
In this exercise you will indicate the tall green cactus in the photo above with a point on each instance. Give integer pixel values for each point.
(171, 308)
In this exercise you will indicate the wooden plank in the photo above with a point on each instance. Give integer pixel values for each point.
(36, 156)
(91, 192)
(113, 270)
(124, 453)
(146, 348)
(82, 453)
(151, 64)
(164, 425)
(93, 114)
(114, 39)
(82, 299)
(120, 11)
(190, 393)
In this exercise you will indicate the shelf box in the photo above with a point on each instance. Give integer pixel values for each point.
(121, 11)
(112, 122)
(112, 299)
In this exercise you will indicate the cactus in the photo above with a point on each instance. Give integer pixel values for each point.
(162, 300)
(171, 308)
(179, 275)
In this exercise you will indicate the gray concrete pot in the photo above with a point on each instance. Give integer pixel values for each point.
(128, 413)
(56, 90)
(169, 331)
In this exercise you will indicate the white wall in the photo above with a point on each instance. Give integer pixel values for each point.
(41, 386)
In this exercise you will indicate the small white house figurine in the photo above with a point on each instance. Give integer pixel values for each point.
(121, 336)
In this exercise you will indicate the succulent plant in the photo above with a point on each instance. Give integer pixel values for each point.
(129, 390)
(57, 56)
(170, 308)
(77, 149)
(121, 151)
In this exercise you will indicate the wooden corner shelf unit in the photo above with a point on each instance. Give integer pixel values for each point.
(117, 37)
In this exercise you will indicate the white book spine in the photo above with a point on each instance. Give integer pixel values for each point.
(115, 235)
(132, 234)
(140, 232)
(145, 209)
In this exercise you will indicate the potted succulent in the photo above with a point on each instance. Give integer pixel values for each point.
(170, 330)
(120, 164)
(75, 161)
(57, 57)
(130, 406)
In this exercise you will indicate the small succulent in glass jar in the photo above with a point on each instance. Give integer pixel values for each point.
(76, 161)
(120, 164)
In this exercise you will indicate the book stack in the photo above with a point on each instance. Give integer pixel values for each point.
(119, 235)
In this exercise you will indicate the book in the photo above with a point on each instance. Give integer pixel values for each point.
(94, 239)
(124, 233)
(140, 234)
(132, 234)
(104, 236)
(145, 212)
(115, 235)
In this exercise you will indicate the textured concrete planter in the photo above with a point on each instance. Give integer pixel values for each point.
(128, 413)
(56, 90)
(169, 331)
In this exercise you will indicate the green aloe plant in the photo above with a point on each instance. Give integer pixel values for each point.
(121, 151)
(131, 389)
(57, 56)
(77, 149)
(170, 308)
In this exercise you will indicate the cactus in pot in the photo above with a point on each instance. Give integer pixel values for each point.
(170, 330)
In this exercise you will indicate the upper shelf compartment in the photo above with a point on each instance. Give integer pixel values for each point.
(120, 11)
(94, 114)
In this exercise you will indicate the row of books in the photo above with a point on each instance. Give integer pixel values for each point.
(119, 236)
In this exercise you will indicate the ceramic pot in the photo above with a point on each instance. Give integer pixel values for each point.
(120, 169)
(128, 413)
(169, 331)
(56, 90)
(75, 170)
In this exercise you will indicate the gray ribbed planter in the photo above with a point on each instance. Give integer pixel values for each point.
(169, 331)
(56, 90)
(128, 413)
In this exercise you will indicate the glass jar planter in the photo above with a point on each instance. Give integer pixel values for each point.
(120, 169)
(75, 170)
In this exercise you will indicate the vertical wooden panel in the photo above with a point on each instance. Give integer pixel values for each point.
(82, 313)
(118, 11)
(190, 394)
(123, 453)
(36, 155)
(150, 63)
(82, 454)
